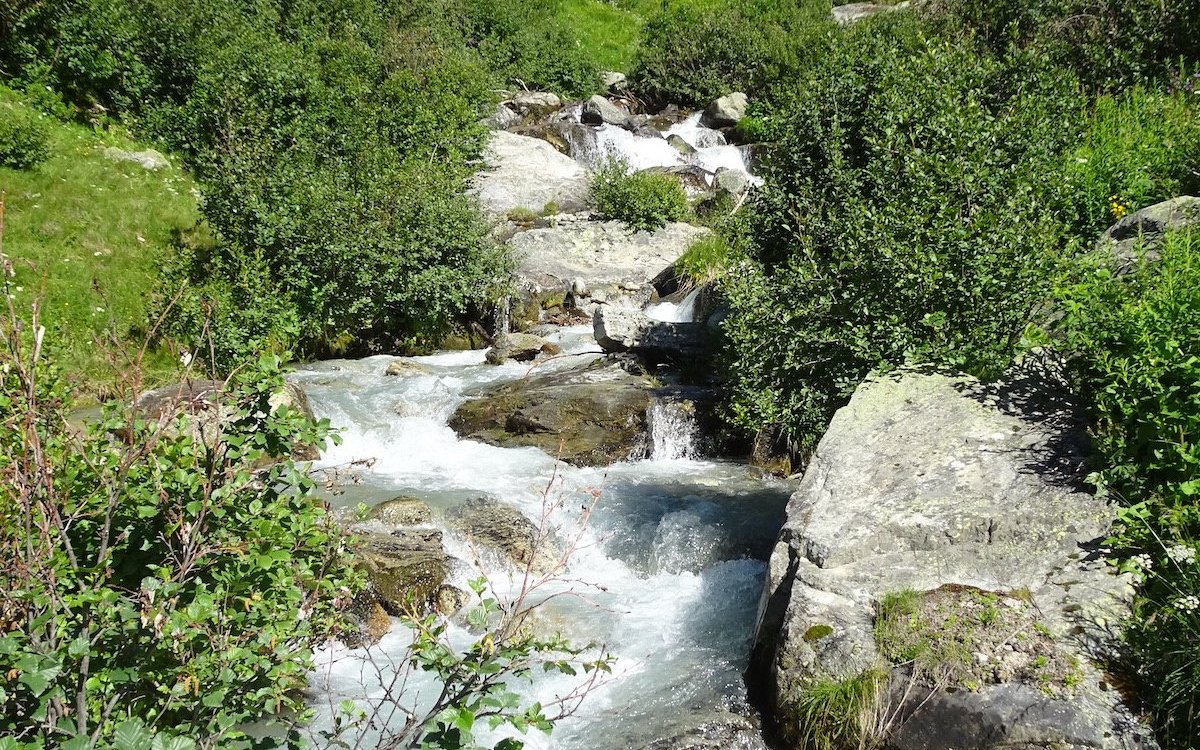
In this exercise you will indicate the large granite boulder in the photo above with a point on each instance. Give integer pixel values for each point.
(505, 530)
(528, 173)
(600, 111)
(927, 489)
(619, 329)
(520, 347)
(589, 416)
(1138, 235)
(615, 265)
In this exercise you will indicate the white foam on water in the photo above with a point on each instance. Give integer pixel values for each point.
(661, 573)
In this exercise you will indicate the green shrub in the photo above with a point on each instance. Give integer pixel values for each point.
(643, 200)
(691, 53)
(1136, 358)
(157, 583)
(908, 216)
(24, 138)
(1107, 43)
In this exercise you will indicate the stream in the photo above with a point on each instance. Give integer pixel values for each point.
(667, 575)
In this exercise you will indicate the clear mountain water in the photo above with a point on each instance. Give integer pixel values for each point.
(667, 574)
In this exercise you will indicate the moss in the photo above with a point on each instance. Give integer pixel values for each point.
(817, 632)
(964, 637)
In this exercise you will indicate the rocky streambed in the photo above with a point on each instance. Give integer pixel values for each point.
(938, 562)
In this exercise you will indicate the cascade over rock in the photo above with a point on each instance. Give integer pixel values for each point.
(924, 482)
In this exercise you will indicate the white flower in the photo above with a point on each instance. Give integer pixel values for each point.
(99, 309)
(1188, 603)
(1182, 554)
(1141, 561)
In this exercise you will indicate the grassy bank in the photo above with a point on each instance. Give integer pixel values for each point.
(87, 235)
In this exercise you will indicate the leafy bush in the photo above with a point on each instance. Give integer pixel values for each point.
(24, 138)
(1136, 355)
(896, 224)
(692, 53)
(1107, 43)
(174, 582)
(643, 200)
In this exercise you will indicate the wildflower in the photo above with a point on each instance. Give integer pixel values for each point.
(1118, 207)
(1182, 554)
(1189, 603)
(1141, 561)
(99, 309)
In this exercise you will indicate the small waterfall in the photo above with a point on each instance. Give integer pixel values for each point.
(670, 312)
(673, 430)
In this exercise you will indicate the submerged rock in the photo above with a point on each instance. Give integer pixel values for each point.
(589, 416)
(927, 481)
(504, 529)
(528, 173)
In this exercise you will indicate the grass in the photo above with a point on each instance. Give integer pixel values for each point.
(841, 714)
(86, 234)
(705, 261)
(609, 30)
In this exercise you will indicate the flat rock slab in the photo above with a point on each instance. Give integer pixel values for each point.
(528, 173)
(591, 416)
(924, 481)
(622, 330)
(601, 254)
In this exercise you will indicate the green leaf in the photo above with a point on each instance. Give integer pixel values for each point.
(132, 735)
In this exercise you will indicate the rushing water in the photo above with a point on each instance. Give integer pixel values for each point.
(668, 571)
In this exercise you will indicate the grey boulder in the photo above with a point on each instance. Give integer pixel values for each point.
(726, 111)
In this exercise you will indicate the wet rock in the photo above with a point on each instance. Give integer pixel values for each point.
(726, 111)
(680, 145)
(589, 416)
(149, 159)
(404, 569)
(402, 510)
(599, 111)
(721, 731)
(522, 347)
(504, 529)
(399, 367)
(710, 138)
(924, 482)
(692, 178)
(368, 622)
(528, 173)
(1138, 235)
(621, 330)
(449, 600)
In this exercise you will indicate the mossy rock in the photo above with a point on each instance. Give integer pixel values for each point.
(505, 530)
(592, 416)
(404, 568)
(402, 510)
